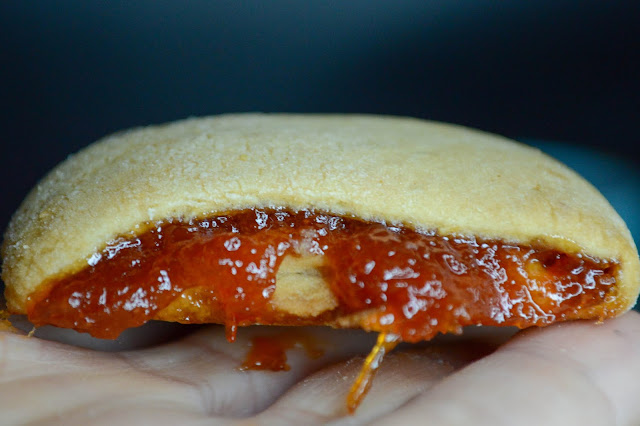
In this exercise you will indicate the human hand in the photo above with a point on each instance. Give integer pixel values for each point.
(572, 373)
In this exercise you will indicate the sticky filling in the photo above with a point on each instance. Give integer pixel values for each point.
(335, 270)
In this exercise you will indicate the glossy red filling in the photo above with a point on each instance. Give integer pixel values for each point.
(414, 284)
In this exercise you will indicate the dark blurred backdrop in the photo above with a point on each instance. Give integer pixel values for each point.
(549, 70)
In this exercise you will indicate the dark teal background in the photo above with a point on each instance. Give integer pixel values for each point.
(542, 70)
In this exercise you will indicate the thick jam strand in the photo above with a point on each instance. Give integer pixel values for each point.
(403, 282)
(385, 344)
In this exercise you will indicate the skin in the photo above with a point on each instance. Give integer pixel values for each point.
(578, 373)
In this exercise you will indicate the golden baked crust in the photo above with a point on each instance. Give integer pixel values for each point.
(400, 170)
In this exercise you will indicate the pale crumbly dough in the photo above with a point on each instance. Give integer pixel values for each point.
(301, 289)
(421, 174)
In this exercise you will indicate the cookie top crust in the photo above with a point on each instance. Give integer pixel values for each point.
(424, 175)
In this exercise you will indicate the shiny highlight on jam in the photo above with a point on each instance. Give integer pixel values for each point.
(394, 279)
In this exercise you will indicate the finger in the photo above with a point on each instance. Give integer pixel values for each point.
(406, 372)
(210, 364)
(573, 373)
(46, 382)
(204, 365)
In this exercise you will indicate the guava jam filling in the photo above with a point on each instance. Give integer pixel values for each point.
(396, 280)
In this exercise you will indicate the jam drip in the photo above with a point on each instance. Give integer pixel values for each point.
(269, 352)
(394, 279)
(386, 343)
